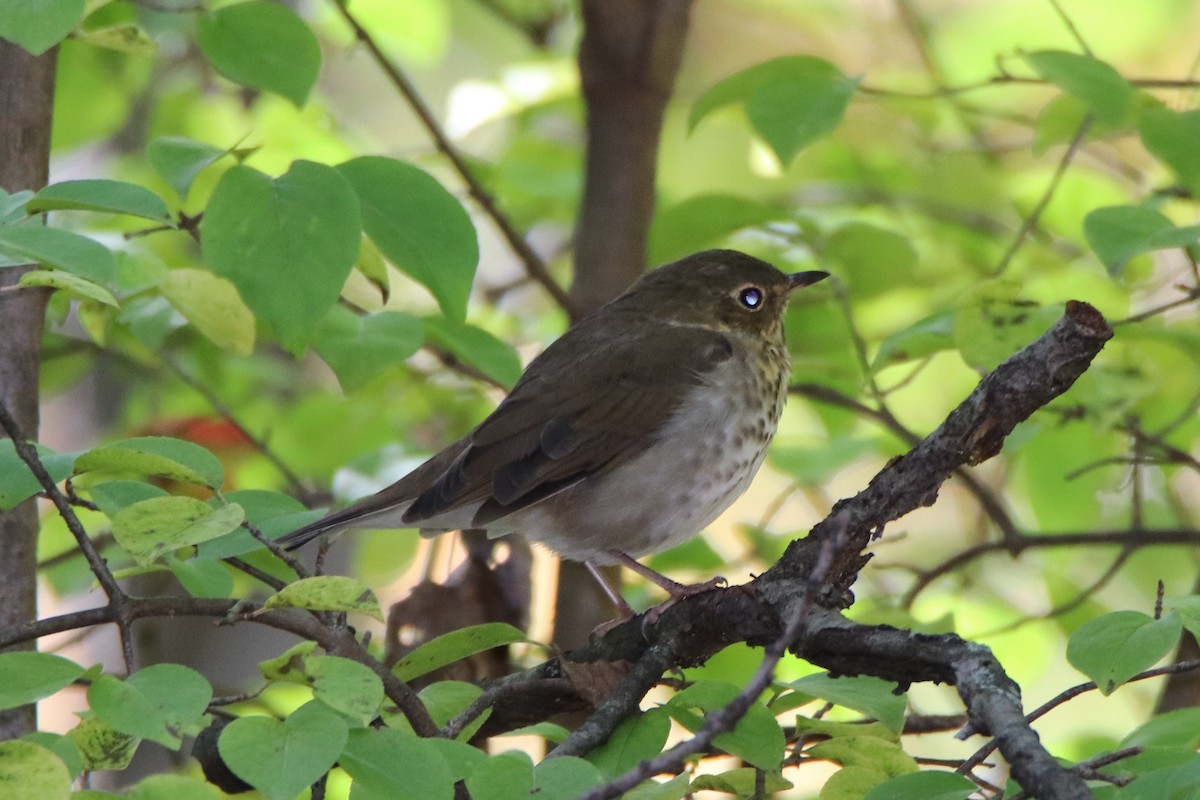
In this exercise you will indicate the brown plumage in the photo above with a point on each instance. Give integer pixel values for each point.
(630, 433)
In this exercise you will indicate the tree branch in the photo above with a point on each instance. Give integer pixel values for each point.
(697, 627)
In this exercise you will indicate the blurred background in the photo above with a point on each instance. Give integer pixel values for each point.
(949, 204)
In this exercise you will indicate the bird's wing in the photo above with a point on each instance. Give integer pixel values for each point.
(575, 409)
(571, 416)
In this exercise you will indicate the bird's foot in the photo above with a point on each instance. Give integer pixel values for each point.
(679, 591)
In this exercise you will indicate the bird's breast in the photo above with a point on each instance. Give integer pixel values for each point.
(702, 459)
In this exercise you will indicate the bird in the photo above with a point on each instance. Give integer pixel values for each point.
(627, 435)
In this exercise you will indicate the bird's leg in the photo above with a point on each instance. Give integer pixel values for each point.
(622, 607)
(676, 590)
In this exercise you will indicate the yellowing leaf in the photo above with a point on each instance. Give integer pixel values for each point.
(214, 306)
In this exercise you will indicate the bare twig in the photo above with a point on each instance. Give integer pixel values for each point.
(1149, 537)
(532, 262)
(1031, 221)
(229, 416)
(117, 599)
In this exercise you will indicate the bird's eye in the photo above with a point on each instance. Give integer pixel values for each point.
(751, 297)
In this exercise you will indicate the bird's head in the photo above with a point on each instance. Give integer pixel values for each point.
(720, 289)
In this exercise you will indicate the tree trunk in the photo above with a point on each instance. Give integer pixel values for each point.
(26, 106)
(628, 59)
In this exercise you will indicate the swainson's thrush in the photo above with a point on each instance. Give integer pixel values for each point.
(629, 434)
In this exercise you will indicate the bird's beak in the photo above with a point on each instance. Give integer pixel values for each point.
(798, 279)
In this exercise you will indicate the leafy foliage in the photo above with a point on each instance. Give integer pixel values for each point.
(233, 253)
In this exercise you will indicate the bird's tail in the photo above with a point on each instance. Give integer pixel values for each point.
(370, 512)
(302, 536)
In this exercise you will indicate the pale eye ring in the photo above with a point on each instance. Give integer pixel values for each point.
(751, 298)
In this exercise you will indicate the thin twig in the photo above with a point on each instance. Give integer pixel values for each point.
(1067, 21)
(229, 416)
(533, 263)
(117, 599)
(1005, 80)
(1031, 221)
(1149, 537)
(1062, 697)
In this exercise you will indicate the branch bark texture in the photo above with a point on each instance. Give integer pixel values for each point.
(26, 106)
(698, 627)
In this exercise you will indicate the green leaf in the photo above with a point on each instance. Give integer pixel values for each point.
(158, 456)
(477, 347)
(129, 38)
(447, 699)
(419, 226)
(115, 197)
(112, 496)
(1107, 95)
(701, 222)
(213, 305)
(1188, 609)
(790, 101)
(179, 160)
(202, 578)
(1173, 137)
(28, 676)
(512, 776)
(1118, 233)
(741, 782)
(993, 321)
(287, 244)
(150, 529)
(372, 266)
(1178, 728)
(1113, 648)
(101, 747)
(161, 702)
(28, 770)
(547, 730)
(564, 777)
(461, 757)
(282, 758)
(925, 337)
(327, 593)
(358, 348)
(397, 765)
(72, 284)
(174, 787)
(872, 752)
(273, 513)
(262, 45)
(1060, 120)
(290, 664)
(507, 776)
(346, 686)
(924, 786)
(757, 738)
(17, 483)
(870, 259)
(12, 206)
(58, 249)
(676, 788)
(636, 739)
(455, 646)
(61, 746)
(874, 697)
(38, 25)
